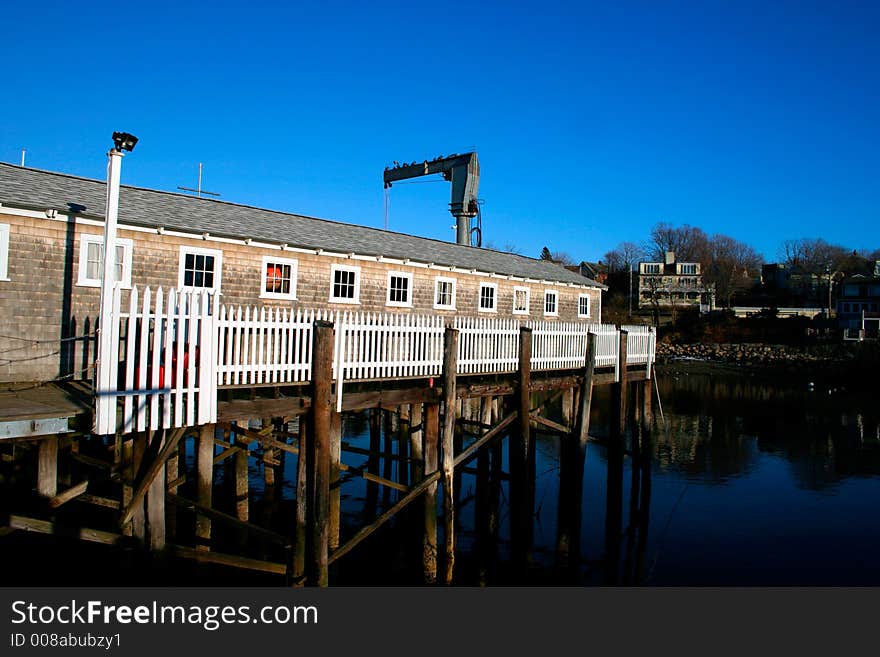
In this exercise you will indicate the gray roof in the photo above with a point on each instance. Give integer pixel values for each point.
(35, 189)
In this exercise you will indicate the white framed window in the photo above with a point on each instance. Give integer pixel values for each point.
(551, 302)
(278, 278)
(652, 268)
(199, 268)
(689, 268)
(520, 301)
(400, 289)
(444, 293)
(584, 305)
(91, 261)
(4, 252)
(488, 301)
(345, 284)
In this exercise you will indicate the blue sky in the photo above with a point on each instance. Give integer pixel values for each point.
(592, 121)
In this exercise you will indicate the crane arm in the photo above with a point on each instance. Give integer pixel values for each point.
(463, 171)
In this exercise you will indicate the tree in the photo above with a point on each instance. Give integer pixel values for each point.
(690, 244)
(731, 266)
(559, 257)
(623, 257)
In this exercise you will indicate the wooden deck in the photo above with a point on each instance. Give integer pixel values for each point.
(40, 410)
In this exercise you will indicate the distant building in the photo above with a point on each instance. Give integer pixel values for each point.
(858, 303)
(669, 284)
(595, 271)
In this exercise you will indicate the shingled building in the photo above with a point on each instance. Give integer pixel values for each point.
(51, 228)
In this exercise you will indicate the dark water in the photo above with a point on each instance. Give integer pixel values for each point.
(772, 481)
(751, 481)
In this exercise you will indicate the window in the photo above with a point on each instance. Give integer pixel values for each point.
(91, 261)
(520, 301)
(345, 283)
(846, 307)
(551, 306)
(688, 268)
(444, 293)
(278, 278)
(652, 268)
(584, 305)
(399, 289)
(488, 298)
(4, 252)
(200, 268)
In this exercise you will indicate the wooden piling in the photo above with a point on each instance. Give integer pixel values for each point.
(568, 406)
(319, 456)
(174, 468)
(335, 488)
(620, 388)
(403, 443)
(519, 452)
(156, 500)
(415, 444)
(573, 450)
(138, 520)
(450, 367)
(299, 556)
(431, 460)
(372, 495)
(47, 467)
(205, 483)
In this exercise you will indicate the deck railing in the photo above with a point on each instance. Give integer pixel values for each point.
(175, 350)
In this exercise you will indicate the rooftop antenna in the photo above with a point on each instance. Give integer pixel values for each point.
(23, 151)
(198, 190)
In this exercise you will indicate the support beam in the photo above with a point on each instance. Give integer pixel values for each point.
(156, 491)
(450, 366)
(302, 495)
(47, 467)
(415, 444)
(138, 517)
(319, 456)
(431, 452)
(520, 451)
(335, 468)
(71, 493)
(205, 474)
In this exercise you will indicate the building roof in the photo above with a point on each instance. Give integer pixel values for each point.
(35, 189)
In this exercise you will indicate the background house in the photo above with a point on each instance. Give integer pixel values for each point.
(672, 284)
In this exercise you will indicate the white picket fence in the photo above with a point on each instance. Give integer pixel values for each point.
(173, 353)
(162, 365)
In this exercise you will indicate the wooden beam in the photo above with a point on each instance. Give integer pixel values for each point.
(430, 454)
(69, 494)
(493, 433)
(319, 456)
(299, 556)
(335, 503)
(232, 521)
(95, 500)
(447, 465)
(47, 467)
(414, 493)
(230, 560)
(519, 451)
(56, 529)
(151, 472)
(156, 492)
(550, 424)
(205, 483)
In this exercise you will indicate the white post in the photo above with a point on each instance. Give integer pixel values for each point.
(105, 346)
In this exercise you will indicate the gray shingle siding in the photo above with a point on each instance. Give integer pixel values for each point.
(32, 188)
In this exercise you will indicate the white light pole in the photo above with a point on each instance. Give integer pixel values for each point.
(122, 141)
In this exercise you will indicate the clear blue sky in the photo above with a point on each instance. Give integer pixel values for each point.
(592, 122)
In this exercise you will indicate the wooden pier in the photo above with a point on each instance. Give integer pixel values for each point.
(247, 394)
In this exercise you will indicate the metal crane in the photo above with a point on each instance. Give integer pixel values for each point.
(463, 171)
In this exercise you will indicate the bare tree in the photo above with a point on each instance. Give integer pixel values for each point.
(732, 265)
(689, 243)
(623, 257)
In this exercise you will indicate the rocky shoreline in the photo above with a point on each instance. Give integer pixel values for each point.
(759, 355)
